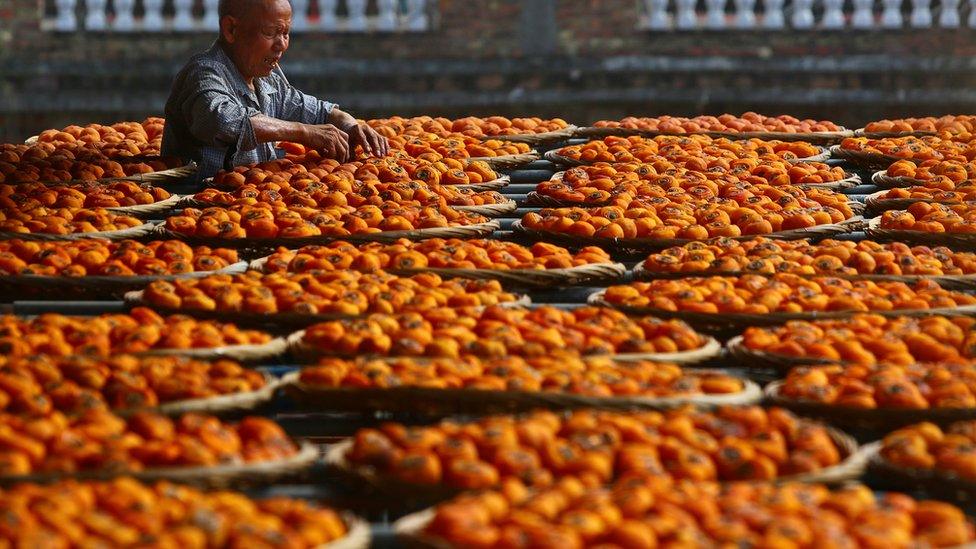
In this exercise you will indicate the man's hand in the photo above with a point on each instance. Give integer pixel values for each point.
(366, 137)
(329, 139)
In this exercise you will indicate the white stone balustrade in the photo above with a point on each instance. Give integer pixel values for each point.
(805, 15)
(201, 16)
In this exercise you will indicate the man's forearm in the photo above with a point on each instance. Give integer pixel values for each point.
(341, 119)
(267, 129)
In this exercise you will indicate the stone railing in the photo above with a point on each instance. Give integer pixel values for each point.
(201, 15)
(807, 15)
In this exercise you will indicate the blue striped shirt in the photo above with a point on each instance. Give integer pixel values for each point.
(209, 110)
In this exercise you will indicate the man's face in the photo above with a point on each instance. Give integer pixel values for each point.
(260, 37)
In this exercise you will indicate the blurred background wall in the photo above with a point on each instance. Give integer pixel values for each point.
(77, 61)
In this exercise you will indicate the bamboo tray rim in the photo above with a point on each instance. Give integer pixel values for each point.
(306, 455)
(709, 349)
(121, 234)
(535, 138)
(244, 400)
(112, 281)
(738, 319)
(773, 392)
(455, 231)
(750, 394)
(603, 131)
(828, 230)
(135, 299)
(640, 273)
(602, 271)
(558, 159)
(242, 353)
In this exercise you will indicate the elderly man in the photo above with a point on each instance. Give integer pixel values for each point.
(231, 103)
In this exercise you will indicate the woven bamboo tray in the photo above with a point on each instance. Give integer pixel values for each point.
(508, 161)
(494, 185)
(534, 139)
(487, 210)
(241, 353)
(218, 405)
(937, 483)
(477, 401)
(161, 207)
(955, 241)
(490, 210)
(653, 244)
(278, 320)
(854, 463)
(885, 181)
(710, 349)
(881, 419)
(863, 159)
(821, 138)
(727, 321)
(215, 476)
(476, 230)
(556, 158)
(519, 278)
(533, 197)
(358, 534)
(162, 176)
(52, 287)
(123, 234)
(409, 531)
(953, 282)
(761, 359)
(876, 204)
(861, 132)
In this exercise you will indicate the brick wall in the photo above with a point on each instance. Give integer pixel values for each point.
(580, 59)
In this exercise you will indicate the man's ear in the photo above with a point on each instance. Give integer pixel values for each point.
(228, 28)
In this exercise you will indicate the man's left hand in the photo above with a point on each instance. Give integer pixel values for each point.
(366, 137)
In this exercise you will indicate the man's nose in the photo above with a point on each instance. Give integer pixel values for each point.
(280, 43)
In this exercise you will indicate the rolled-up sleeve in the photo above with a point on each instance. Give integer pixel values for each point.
(218, 118)
(301, 107)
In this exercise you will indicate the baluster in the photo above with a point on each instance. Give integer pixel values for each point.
(327, 14)
(211, 17)
(863, 17)
(802, 14)
(95, 16)
(715, 14)
(67, 20)
(124, 20)
(357, 15)
(773, 14)
(891, 15)
(921, 14)
(153, 18)
(657, 14)
(183, 20)
(687, 18)
(299, 15)
(971, 21)
(833, 17)
(949, 14)
(745, 16)
(417, 19)
(387, 19)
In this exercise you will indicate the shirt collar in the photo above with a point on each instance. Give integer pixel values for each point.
(261, 85)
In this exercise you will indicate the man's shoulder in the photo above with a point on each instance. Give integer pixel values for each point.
(210, 60)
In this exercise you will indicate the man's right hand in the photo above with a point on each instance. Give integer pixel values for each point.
(329, 139)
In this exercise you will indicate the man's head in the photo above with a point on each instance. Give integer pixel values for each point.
(255, 33)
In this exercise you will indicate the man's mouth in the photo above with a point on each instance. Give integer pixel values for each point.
(272, 61)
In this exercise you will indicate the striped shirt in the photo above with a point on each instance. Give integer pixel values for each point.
(209, 110)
